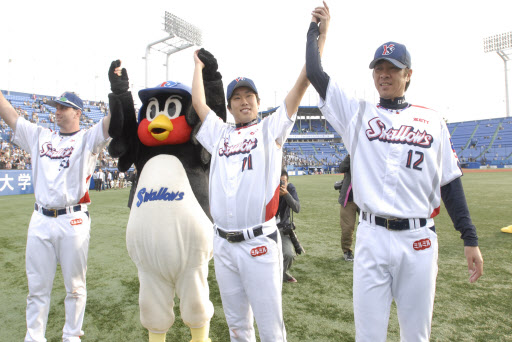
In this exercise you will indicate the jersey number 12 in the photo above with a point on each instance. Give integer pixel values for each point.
(416, 164)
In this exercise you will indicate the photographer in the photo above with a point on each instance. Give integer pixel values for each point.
(288, 199)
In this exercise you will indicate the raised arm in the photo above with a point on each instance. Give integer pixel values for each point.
(317, 35)
(319, 15)
(7, 112)
(198, 95)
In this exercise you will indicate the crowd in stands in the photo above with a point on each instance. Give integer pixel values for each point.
(301, 152)
(13, 157)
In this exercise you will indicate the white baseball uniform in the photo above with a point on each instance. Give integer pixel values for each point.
(400, 159)
(244, 195)
(62, 165)
(169, 238)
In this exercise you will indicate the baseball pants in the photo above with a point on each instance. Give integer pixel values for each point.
(394, 265)
(64, 240)
(347, 223)
(250, 287)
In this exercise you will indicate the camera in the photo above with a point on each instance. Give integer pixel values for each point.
(282, 182)
(338, 185)
(289, 230)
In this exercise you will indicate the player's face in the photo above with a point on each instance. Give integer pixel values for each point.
(244, 105)
(390, 80)
(67, 118)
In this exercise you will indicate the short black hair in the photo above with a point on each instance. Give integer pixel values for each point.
(284, 173)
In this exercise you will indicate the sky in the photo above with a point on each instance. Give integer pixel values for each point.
(48, 47)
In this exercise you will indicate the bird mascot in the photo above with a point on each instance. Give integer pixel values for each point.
(169, 233)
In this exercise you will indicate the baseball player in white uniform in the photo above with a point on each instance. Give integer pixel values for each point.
(62, 165)
(244, 195)
(403, 164)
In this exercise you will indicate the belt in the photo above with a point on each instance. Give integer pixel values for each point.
(238, 235)
(392, 224)
(57, 212)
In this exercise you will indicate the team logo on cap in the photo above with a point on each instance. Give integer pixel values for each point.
(388, 49)
(168, 84)
(238, 79)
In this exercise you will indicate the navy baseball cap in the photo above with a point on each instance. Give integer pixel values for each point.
(394, 53)
(167, 87)
(240, 82)
(68, 99)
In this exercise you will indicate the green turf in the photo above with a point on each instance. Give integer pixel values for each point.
(317, 308)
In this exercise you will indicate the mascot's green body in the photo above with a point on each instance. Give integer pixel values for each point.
(169, 233)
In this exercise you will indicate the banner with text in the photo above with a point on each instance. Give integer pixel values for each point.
(16, 182)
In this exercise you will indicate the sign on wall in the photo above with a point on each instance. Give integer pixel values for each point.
(16, 182)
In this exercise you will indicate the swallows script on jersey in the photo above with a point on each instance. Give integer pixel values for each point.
(161, 195)
(47, 150)
(244, 147)
(403, 135)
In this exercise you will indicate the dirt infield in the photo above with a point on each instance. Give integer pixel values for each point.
(485, 170)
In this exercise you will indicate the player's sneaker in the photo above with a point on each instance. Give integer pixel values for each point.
(348, 256)
(507, 229)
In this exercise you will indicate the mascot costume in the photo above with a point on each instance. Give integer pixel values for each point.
(169, 233)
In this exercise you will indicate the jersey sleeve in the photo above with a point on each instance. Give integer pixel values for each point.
(211, 130)
(279, 125)
(338, 108)
(450, 162)
(26, 134)
(94, 138)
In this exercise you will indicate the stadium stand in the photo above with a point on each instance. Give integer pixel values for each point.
(312, 147)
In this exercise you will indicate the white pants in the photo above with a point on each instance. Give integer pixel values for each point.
(394, 265)
(63, 240)
(250, 278)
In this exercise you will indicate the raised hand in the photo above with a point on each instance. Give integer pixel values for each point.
(321, 16)
(210, 65)
(118, 78)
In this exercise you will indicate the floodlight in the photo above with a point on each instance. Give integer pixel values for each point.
(182, 35)
(498, 42)
(502, 45)
(182, 29)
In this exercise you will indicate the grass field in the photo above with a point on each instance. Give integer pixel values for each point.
(317, 308)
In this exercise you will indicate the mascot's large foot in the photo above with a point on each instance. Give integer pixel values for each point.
(153, 337)
(507, 229)
(200, 334)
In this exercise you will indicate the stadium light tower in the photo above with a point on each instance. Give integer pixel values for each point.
(502, 44)
(182, 35)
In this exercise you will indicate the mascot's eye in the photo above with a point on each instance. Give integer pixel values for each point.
(173, 107)
(152, 109)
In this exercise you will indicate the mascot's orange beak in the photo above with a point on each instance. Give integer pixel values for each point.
(160, 127)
